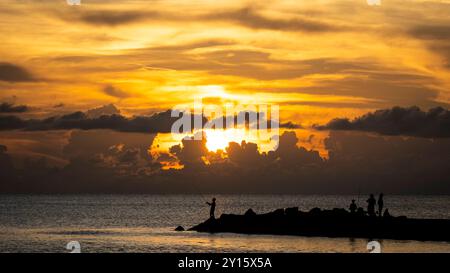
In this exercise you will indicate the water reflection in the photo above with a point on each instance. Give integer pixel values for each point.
(145, 223)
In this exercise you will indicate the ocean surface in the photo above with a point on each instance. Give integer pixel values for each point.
(145, 223)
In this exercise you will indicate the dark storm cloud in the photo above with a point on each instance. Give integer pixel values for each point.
(191, 151)
(105, 117)
(358, 162)
(287, 155)
(14, 73)
(388, 163)
(125, 160)
(290, 125)
(252, 119)
(246, 155)
(6, 107)
(109, 117)
(11, 123)
(398, 121)
(86, 144)
(160, 122)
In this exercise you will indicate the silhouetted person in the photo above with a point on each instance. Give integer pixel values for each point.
(386, 213)
(213, 207)
(371, 205)
(353, 207)
(380, 204)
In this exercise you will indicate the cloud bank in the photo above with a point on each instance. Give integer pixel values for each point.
(412, 121)
(113, 162)
(6, 107)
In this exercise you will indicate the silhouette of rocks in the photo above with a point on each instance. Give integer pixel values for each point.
(329, 223)
(249, 213)
(179, 228)
(291, 212)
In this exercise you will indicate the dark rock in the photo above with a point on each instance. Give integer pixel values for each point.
(211, 225)
(249, 213)
(337, 211)
(315, 211)
(328, 223)
(278, 212)
(179, 228)
(291, 212)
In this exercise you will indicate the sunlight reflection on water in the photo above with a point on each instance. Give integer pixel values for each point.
(144, 223)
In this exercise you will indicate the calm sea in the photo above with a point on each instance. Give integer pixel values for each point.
(145, 223)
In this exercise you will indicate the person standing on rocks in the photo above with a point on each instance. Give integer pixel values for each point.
(353, 207)
(371, 205)
(213, 207)
(380, 205)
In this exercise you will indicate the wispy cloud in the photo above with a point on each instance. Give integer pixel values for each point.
(14, 73)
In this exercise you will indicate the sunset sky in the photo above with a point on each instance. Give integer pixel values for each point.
(317, 60)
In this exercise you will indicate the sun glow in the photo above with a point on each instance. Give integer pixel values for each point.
(213, 91)
(219, 139)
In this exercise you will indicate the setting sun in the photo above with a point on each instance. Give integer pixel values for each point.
(219, 139)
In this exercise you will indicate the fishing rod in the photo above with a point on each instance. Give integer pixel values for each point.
(359, 193)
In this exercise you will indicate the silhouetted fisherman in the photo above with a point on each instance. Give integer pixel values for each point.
(371, 205)
(353, 207)
(380, 205)
(213, 207)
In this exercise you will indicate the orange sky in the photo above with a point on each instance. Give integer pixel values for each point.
(317, 59)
